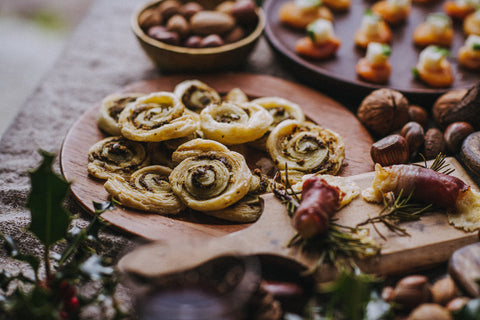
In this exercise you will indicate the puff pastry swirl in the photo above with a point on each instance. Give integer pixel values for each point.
(209, 180)
(305, 148)
(280, 109)
(232, 123)
(109, 112)
(196, 95)
(116, 156)
(148, 189)
(157, 117)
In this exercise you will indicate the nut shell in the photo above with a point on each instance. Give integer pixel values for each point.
(434, 143)
(211, 22)
(392, 149)
(383, 111)
(411, 291)
(414, 134)
(444, 290)
(418, 114)
(444, 106)
(455, 133)
(430, 311)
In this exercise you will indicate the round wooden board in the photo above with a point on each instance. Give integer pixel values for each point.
(84, 133)
(337, 75)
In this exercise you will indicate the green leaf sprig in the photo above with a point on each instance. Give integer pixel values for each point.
(54, 290)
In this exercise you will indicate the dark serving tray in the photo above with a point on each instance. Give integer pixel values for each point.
(337, 77)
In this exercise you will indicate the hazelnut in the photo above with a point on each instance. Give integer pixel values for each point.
(414, 134)
(244, 11)
(383, 111)
(160, 33)
(392, 149)
(455, 133)
(444, 290)
(225, 7)
(210, 22)
(418, 114)
(445, 104)
(211, 41)
(434, 143)
(236, 34)
(178, 24)
(412, 291)
(430, 311)
(193, 42)
(189, 9)
(149, 18)
(169, 8)
(457, 303)
(388, 293)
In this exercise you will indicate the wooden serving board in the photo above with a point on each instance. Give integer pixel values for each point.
(338, 76)
(319, 108)
(432, 240)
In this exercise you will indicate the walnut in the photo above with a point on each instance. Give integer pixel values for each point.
(444, 104)
(384, 111)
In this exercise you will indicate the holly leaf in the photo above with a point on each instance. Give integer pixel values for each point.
(50, 219)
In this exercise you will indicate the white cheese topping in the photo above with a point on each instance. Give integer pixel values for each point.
(438, 22)
(473, 42)
(320, 31)
(467, 3)
(431, 58)
(377, 53)
(399, 4)
(307, 4)
(370, 24)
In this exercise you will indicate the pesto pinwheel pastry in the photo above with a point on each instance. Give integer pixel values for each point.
(196, 95)
(305, 148)
(116, 156)
(209, 180)
(112, 106)
(195, 147)
(158, 116)
(148, 189)
(161, 152)
(236, 95)
(280, 109)
(232, 123)
(248, 209)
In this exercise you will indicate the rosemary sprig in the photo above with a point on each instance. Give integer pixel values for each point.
(286, 194)
(439, 164)
(394, 211)
(339, 246)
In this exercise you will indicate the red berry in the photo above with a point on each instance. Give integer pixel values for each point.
(71, 304)
(63, 315)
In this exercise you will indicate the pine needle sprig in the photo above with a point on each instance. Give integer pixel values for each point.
(394, 212)
(439, 164)
(339, 245)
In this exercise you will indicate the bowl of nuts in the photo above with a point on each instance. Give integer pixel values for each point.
(206, 35)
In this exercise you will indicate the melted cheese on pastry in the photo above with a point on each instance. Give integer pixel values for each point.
(466, 215)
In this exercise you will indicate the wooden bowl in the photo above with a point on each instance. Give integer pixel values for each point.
(172, 58)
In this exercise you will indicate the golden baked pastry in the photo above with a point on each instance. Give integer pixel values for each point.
(112, 106)
(158, 116)
(195, 94)
(280, 109)
(116, 156)
(247, 209)
(305, 148)
(147, 189)
(231, 123)
(209, 180)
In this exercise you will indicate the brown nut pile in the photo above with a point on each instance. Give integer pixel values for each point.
(415, 296)
(191, 25)
(404, 131)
